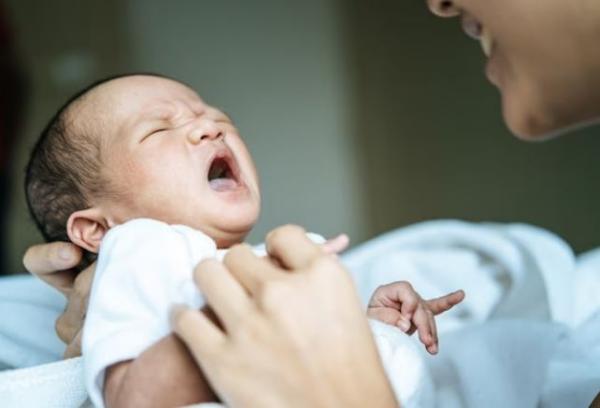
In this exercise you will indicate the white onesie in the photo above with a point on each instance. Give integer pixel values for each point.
(145, 267)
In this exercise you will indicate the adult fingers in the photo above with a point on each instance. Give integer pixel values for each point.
(55, 256)
(197, 331)
(223, 292)
(290, 245)
(446, 302)
(53, 262)
(250, 270)
(70, 322)
(74, 347)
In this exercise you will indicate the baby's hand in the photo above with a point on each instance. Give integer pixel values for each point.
(336, 245)
(400, 305)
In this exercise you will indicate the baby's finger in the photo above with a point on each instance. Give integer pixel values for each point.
(400, 295)
(421, 320)
(384, 314)
(336, 245)
(410, 300)
(433, 348)
(404, 324)
(446, 302)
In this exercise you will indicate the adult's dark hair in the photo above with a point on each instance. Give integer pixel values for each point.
(65, 168)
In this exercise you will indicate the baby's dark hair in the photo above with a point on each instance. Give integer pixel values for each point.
(65, 169)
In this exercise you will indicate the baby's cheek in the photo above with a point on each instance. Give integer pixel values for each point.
(125, 170)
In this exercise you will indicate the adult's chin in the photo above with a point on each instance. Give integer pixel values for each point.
(528, 116)
(536, 110)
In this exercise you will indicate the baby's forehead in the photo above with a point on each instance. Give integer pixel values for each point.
(118, 101)
(140, 92)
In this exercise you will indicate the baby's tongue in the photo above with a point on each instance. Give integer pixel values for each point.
(222, 184)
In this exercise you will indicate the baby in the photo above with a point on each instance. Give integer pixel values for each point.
(141, 171)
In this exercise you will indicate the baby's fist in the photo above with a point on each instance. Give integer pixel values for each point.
(398, 304)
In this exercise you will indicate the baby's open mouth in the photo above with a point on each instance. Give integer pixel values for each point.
(222, 174)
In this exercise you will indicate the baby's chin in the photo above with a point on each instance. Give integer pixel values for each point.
(226, 239)
(231, 230)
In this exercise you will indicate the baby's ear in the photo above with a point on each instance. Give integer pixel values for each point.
(86, 228)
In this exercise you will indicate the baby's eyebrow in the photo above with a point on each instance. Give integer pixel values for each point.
(142, 120)
(227, 115)
(223, 114)
(163, 113)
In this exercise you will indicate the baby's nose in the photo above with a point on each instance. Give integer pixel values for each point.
(205, 131)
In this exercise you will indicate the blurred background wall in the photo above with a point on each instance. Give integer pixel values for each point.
(362, 116)
(433, 141)
(278, 68)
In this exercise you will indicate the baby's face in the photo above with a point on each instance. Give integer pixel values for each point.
(174, 158)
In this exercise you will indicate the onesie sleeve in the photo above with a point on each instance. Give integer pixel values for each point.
(143, 268)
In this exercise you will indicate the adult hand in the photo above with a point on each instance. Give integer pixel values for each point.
(292, 332)
(54, 263)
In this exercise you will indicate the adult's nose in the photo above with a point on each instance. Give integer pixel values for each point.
(205, 131)
(443, 8)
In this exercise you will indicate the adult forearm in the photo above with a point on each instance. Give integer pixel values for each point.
(164, 375)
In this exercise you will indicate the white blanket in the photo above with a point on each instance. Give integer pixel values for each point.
(527, 334)
(518, 337)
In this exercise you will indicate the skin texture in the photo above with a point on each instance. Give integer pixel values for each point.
(147, 124)
(165, 374)
(548, 78)
(398, 304)
(271, 349)
(54, 263)
(162, 376)
(158, 139)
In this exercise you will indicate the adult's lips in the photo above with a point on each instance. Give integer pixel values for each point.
(474, 29)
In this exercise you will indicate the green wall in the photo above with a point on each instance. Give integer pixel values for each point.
(432, 138)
